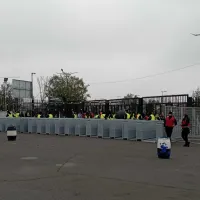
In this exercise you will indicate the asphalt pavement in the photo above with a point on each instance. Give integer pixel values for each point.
(46, 167)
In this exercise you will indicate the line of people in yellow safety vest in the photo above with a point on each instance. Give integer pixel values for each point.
(27, 114)
(109, 115)
(119, 115)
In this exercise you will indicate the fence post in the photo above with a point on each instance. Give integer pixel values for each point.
(140, 107)
(189, 101)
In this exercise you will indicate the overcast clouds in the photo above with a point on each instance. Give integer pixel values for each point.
(103, 40)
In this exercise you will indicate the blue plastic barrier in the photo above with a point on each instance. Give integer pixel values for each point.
(145, 130)
(24, 125)
(59, 126)
(129, 130)
(116, 129)
(3, 124)
(70, 127)
(103, 128)
(80, 127)
(41, 126)
(32, 125)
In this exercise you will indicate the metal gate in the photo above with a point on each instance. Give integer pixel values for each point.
(193, 113)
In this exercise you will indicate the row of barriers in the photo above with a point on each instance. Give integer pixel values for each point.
(116, 129)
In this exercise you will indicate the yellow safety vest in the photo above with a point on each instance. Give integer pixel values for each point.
(38, 116)
(153, 117)
(10, 115)
(102, 116)
(75, 116)
(128, 115)
(16, 114)
(133, 117)
(50, 116)
(138, 115)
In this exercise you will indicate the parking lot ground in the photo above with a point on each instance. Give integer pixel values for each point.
(48, 167)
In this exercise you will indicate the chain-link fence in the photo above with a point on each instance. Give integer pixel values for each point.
(192, 112)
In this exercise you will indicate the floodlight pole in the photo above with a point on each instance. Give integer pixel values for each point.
(32, 96)
(5, 94)
(163, 91)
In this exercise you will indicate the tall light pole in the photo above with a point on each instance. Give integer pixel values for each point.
(69, 74)
(32, 96)
(163, 91)
(5, 93)
(32, 74)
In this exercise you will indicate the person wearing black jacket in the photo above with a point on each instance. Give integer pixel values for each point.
(185, 130)
(108, 114)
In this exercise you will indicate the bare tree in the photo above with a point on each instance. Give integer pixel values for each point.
(196, 94)
(130, 96)
(43, 83)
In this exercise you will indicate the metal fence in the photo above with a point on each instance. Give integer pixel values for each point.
(155, 104)
(193, 113)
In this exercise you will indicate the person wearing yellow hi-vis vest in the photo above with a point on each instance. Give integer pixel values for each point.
(96, 116)
(109, 115)
(16, 114)
(9, 114)
(128, 116)
(138, 116)
(101, 115)
(132, 115)
(39, 115)
(152, 117)
(50, 116)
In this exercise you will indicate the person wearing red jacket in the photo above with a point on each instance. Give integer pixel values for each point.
(169, 124)
(185, 130)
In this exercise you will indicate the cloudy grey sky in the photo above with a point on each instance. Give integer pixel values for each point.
(104, 41)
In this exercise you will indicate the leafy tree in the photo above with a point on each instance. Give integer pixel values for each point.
(67, 88)
(130, 96)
